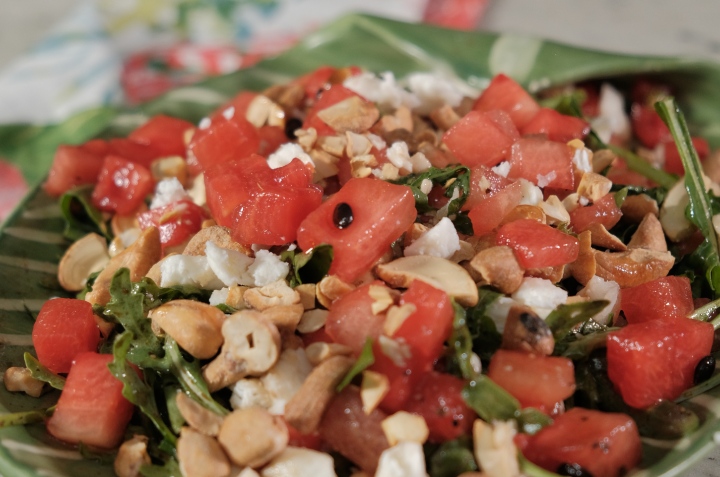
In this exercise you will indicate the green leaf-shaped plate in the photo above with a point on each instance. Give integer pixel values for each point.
(31, 242)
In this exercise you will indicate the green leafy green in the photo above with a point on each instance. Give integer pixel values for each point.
(135, 389)
(81, 216)
(156, 295)
(529, 469)
(565, 317)
(700, 207)
(455, 180)
(531, 420)
(489, 400)
(620, 196)
(38, 371)
(308, 267)
(485, 337)
(461, 345)
(452, 458)
(580, 345)
(25, 417)
(364, 361)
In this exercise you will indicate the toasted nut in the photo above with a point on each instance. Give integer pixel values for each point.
(382, 299)
(197, 416)
(330, 289)
(672, 213)
(169, 167)
(594, 186)
(307, 295)
(236, 296)
(444, 117)
(495, 449)
(554, 274)
(335, 145)
(633, 267)
(305, 409)
(252, 437)
(312, 320)
(438, 272)
(285, 317)
(19, 379)
(155, 272)
(415, 232)
(200, 455)
(400, 119)
(396, 316)
(466, 252)
(649, 235)
(351, 114)
(526, 331)
(584, 266)
(138, 258)
(320, 351)
(252, 346)
(122, 223)
(498, 267)
(300, 462)
(87, 255)
(555, 212)
(194, 325)
(602, 159)
(373, 389)
(276, 293)
(357, 145)
(403, 426)
(262, 110)
(602, 238)
(635, 207)
(326, 165)
(218, 235)
(389, 172)
(306, 138)
(131, 455)
(524, 211)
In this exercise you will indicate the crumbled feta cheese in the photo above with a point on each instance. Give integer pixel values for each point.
(230, 266)
(498, 311)
(600, 289)
(544, 180)
(286, 153)
(540, 295)
(188, 270)
(299, 462)
(219, 297)
(399, 155)
(250, 392)
(168, 191)
(531, 194)
(420, 163)
(440, 241)
(204, 123)
(229, 113)
(612, 118)
(267, 268)
(285, 378)
(405, 459)
(434, 91)
(581, 159)
(383, 90)
(376, 141)
(129, 236)
(583, 201)
(502, 169)
(426, 186)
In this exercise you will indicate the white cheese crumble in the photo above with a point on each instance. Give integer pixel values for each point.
(531, 194)
(440, 241)
(600, 289)
(219, 297)
(286, 153)
(498, 311)
(405, 459)
(285, 378)
(544, 180)
(383, 90)
(426, 186)
(204, 123)
(188, 270)
(420, 163)
(168, 191)
(377, 142)
(502, 169)
(612, 118)
(434, 91)
(229, 113)
(581, 159)
(540, 295)
(299, 462)
(399, 155)
(267, 268)
(230, 266)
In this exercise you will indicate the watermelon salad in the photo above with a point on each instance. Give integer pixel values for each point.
(350, 274)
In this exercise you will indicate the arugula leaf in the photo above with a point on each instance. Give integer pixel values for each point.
(155, 295)
(529, 469)
(564, 318)
(700, 209)
(531, 420)
(489, 400)
(81, 217)
(580, 346)
(452, 458)
(461, 344)
(453, 178)
(364, 361)
(135, 389)
(38, 371)
(308, 267)
(25, 417)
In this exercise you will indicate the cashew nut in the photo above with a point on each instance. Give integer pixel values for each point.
(403, 426)
(200, 455)
(526, 331)
(495, 449)
(633, 267)
(19, 379)
(198, 417)
(635, 207)
(251, 347)
(251, 437)
(649, 235)
(498, 267)
(351, 114)
(194, 325)
(216, 234)
(131, 455)
(87, 255)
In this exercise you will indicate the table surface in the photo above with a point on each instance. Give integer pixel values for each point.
(663, 27)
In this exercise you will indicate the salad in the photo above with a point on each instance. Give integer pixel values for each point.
(347, 274)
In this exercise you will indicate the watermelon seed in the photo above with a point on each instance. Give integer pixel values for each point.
(704, 369)
(343, 215)
(573, 470)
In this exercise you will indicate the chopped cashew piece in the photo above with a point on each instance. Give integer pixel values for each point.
(526, 331)
(405, 459)
(594, 186)
(274, 294)
(304, 411)
(19, 379)
(438, 272)
(87, 255)
(382, 299)
(200, 455)
(602, 238)
(252, 437)
(300, 462)
(633, 267)
(198, 417)
(138, 258)
(251, 347)
(396, 316)
(330, 289)
(216, 234)
(307, 295)
(351, 114)
(196, 326)
(497, 266)
(555, 212)
(312, 320)
(131, 455)
(320, 351)
(403, 426)
(584, 266)
(635, 207)
(495, 449)
(285, 317)
(373, 389)
(649, 235)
